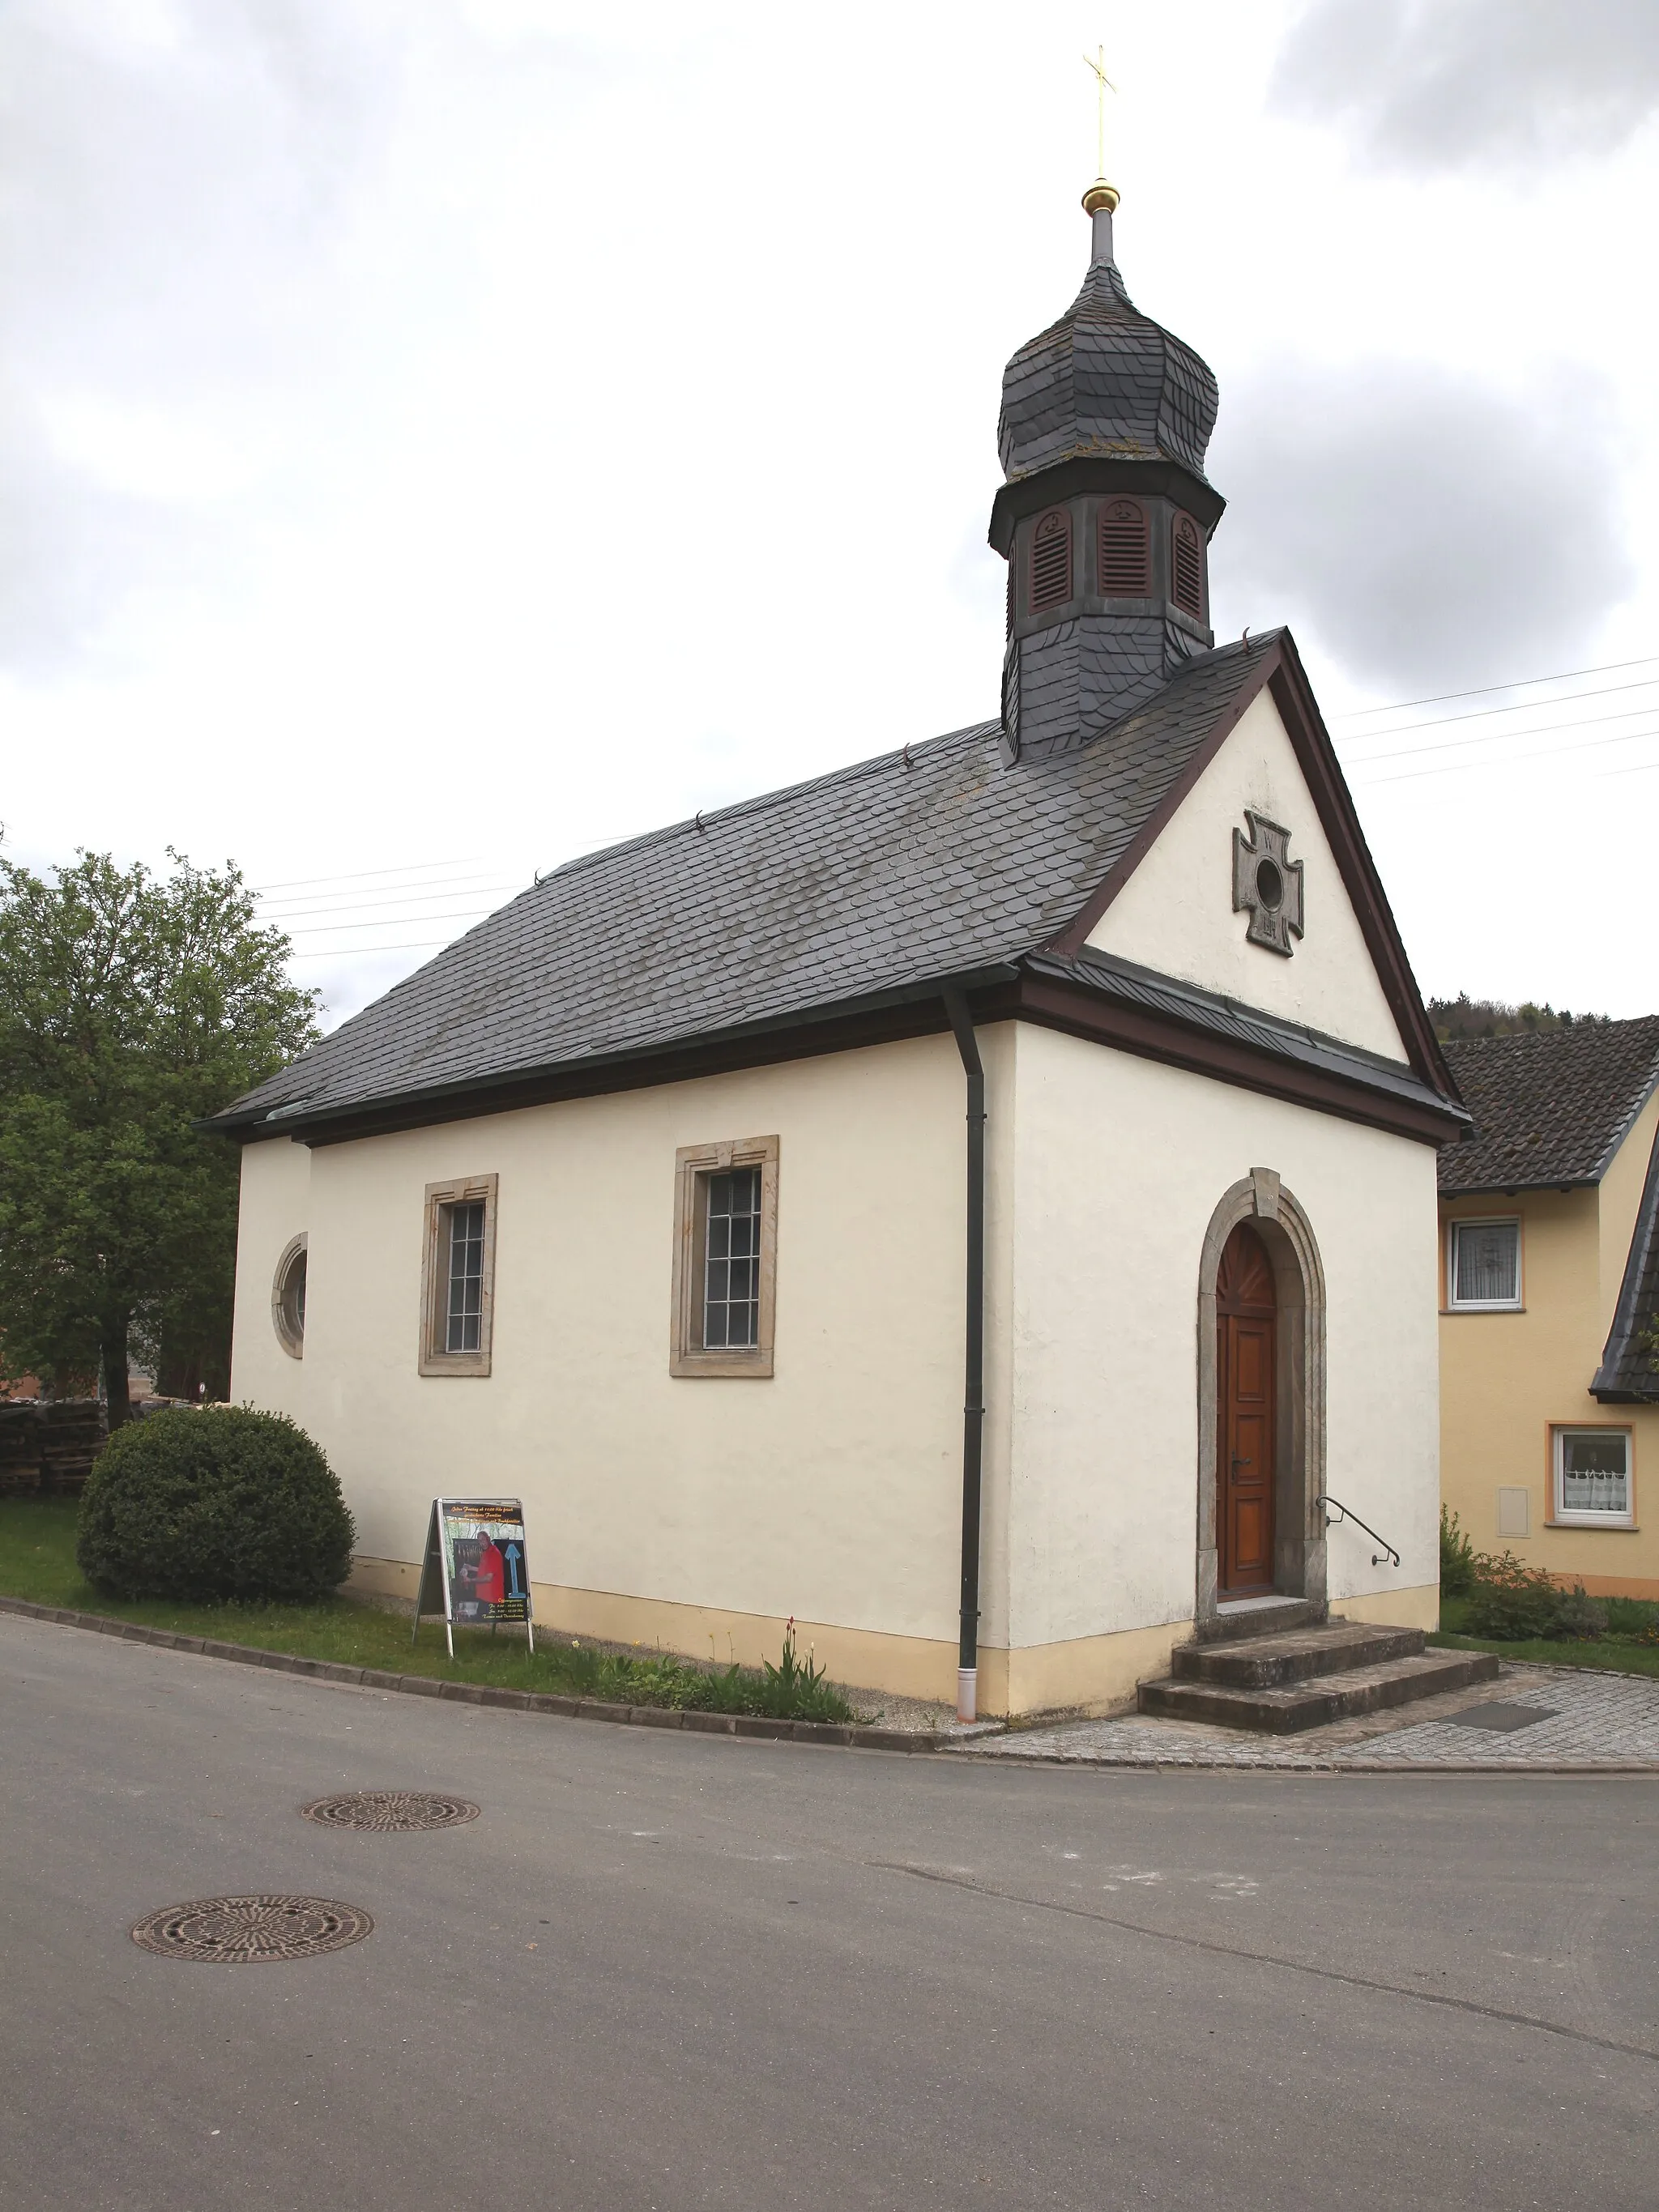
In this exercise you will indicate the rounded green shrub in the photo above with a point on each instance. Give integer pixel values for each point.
(213, 1504)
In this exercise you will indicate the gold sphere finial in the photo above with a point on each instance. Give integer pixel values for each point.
(1099, 194)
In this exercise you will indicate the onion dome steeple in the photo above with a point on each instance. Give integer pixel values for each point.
(1106, 514)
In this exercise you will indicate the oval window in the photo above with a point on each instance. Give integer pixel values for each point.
(288, 1299)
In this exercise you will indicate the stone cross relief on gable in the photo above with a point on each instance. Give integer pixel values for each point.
(1267, 883)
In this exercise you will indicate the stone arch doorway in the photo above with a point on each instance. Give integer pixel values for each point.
(1246, 1407)
(1260, 1399)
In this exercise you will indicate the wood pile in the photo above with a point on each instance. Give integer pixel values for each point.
(47, 1446)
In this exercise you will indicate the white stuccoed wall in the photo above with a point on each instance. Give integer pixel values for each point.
(1120, 1164)
(274, 1205)
(1176, 913)
(831, 1491)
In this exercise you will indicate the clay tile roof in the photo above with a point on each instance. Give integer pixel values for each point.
(1550, 1107)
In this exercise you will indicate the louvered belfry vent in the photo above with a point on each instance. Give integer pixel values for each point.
(1188, 567)
(1051, 561)
(1125, 565)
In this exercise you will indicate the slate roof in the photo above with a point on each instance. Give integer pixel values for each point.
(1105, 382)
(876, 879)
(1627, 1371)
(1550, 1107)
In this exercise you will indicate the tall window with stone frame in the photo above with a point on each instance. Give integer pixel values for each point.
(725, 1258)
(458, 1278)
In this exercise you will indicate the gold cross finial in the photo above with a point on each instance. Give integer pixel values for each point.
(1101, 196)
(1103, 85)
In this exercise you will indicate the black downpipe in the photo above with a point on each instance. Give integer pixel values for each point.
(972, 1395)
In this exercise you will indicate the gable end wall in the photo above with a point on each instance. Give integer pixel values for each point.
(1175, 914)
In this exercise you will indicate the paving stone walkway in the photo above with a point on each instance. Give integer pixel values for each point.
(1584, 1721)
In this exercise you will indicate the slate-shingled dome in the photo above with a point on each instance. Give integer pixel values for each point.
(1105, 382)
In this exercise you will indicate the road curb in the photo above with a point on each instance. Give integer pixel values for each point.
(830, 1735)
(1257, 1768)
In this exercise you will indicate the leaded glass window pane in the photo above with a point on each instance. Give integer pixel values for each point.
(730, 1305)
(466, 1308)
(1486, 1263)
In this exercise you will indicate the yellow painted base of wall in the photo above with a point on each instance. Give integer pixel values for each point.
(1406, 1608)
(1098, 1673)
(1095, 1673)
(1610, 1585)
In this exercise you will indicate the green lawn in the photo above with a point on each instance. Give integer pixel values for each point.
(1611, 1654)
(37, 1562)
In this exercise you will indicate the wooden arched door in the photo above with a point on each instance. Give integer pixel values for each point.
(1246, 1375)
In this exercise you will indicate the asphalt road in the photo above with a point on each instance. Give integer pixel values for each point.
(685, 1971)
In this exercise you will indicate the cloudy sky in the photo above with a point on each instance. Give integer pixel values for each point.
(439, 436)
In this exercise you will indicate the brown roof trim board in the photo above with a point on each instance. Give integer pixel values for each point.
(1107, 1001)
(1157, 1018)
(1281, 671)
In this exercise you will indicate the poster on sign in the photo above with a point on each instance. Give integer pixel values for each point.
(475, 1569)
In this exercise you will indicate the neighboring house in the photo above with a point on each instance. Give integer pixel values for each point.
(1550, 1282)
(658, 1199)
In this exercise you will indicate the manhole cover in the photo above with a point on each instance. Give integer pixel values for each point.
(390, 1809)
(1503, 1717)
(236, 1931)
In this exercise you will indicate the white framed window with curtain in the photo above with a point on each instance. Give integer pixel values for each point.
(1593, 1479)
(1483, 1266)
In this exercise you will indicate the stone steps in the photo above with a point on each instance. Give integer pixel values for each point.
(1267, 1663)
(1306, 1677)
(1258, 1617)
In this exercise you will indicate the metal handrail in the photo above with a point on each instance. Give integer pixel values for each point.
(1347, 1513)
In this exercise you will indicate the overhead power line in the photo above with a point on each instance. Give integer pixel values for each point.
(476, 888)
(391, 922)
(1523, 706)
(1507, 736)
(1510, 761)
(362, 876)
(1485, 690)
(368, 952)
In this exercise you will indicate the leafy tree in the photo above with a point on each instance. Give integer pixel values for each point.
(1455, 1020)
(130, 1005)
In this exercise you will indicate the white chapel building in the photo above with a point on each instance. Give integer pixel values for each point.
(979, 1203)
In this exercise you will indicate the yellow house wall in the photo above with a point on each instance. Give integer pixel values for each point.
(661, 1509)
(1507, 1377)
(1120, 1165)
(1176, 913)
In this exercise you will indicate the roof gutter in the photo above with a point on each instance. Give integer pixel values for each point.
(973, 1381)
(502, 1092)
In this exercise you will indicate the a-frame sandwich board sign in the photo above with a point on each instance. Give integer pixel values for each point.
(475, 1569)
